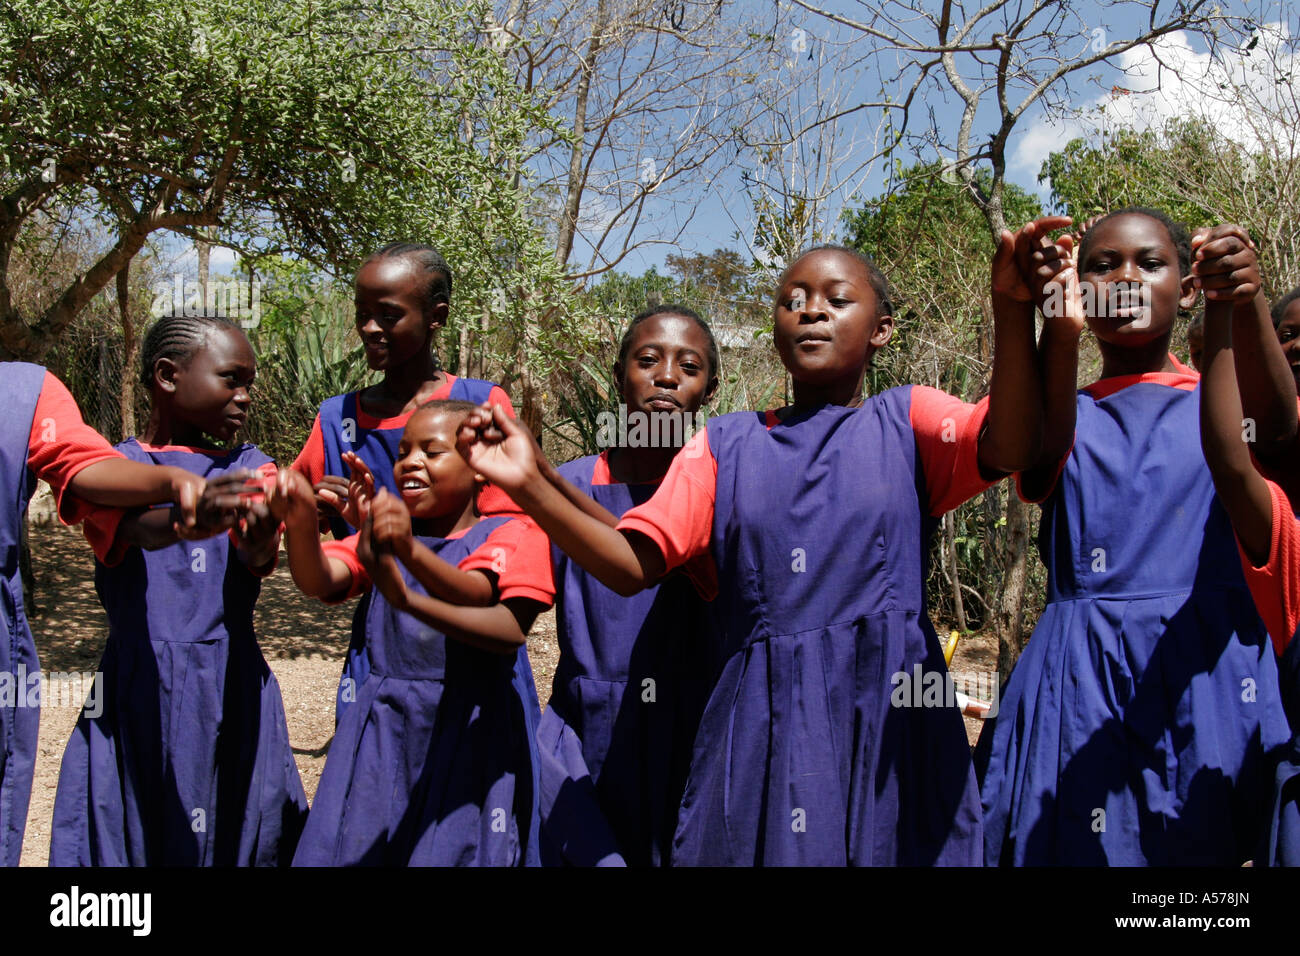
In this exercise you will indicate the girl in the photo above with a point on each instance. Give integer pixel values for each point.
(811, 520)
(185, 758)
(434, 763)
(42, 436)
(1239, 346)
(615, 740)
(403, 295)
(1134, 727)
(1286, 322)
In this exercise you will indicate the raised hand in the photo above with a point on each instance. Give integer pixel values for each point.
(1225, 264)
(380, 564)
(292, 499)
(499, 448)
(390, 524)
(1027, 260)
(332, 497)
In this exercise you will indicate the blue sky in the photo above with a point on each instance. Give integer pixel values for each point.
(721, 206)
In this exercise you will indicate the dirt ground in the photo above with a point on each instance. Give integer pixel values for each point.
(303, 641)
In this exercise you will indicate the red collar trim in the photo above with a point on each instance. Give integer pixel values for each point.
(371, 423)
(600, 471)
(1185, 379)
(210, 452)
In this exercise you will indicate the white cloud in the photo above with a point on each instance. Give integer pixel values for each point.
(1170, 79)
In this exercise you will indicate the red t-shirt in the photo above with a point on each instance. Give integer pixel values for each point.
(1276, 585)
(61, 444)
(518, 552)
(679, 518)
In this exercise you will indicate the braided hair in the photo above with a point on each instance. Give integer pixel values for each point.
(177, 337)
(426, 260)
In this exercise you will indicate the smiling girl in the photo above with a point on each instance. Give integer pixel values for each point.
(434, 765)
(403, 296)
(1134, 727)
(185, 760)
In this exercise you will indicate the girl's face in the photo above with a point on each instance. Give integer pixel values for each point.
(666, 368)
(1130, 281)
(391, 317)
(826, 326)
(432, 477)
(210, 392)
(1288, 333)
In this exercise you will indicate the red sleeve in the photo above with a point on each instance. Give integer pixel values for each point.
(100, 529)
(498, 396)
(519, 553)
(1276, 586)
(678, 518)
(61, 444)
(491, 499)
(947, 436)
(346, 551)
(311, 460)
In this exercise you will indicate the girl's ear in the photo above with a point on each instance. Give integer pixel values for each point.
(164, 374)
(710, 390)
(884, 331)
(1188, 297)
(437, 315)
(618, 378)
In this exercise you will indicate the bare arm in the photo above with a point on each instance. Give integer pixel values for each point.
(1244, 493)
(497, 447)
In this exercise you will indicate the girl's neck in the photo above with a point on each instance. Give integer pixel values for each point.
(416, 379)
(640, 466)
(164, 429)
(846, 392)
(1136, 360)
(444, 526)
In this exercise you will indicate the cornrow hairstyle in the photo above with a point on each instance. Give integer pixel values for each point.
(427, 260)
(1282, 304)
(1177, 234)
(879, 284)
(625, 343)
(177, 337)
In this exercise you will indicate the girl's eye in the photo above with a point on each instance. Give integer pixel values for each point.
(1151, 265)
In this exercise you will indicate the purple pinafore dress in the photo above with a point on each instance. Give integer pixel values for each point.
(1138, 724)
(185, 759)
(20, 669)
(615, 739)
(806, 754)
(433, 764)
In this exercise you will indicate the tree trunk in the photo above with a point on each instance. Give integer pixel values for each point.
(573, 192)
(950, 559)
(130, 352)
(204, 250)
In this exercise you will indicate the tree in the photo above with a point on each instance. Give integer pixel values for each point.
(321, 130)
